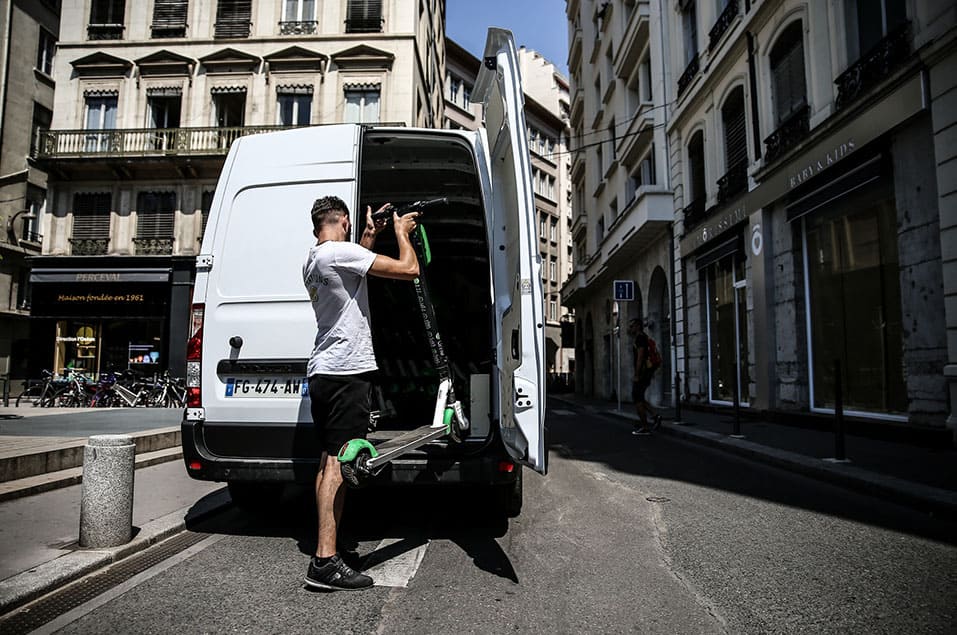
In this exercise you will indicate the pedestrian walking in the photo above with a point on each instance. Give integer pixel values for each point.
(647, 360)
(342, 361)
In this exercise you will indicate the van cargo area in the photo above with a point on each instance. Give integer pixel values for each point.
(401, 168)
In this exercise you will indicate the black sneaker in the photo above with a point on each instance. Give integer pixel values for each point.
(336, 575)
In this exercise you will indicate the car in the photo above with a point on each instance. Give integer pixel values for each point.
(247, 420)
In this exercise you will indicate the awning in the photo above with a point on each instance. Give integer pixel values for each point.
(99, 276)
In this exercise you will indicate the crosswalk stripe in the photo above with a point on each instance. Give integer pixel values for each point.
(398, 570)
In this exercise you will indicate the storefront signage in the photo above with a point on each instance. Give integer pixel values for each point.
(101, 297)
(76, 340)
(715, 226)
(757, 240)
(818, 165)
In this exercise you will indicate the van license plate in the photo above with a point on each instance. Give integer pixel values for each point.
(268, 388)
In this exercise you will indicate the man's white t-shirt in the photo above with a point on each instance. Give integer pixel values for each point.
(335, 277)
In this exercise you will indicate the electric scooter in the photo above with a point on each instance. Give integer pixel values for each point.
(360, 460)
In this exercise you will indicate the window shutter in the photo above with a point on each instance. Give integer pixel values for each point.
(735, 141)
(91, 215)
(364, 16)
(233, 18)
(154, 214)
(169, 18)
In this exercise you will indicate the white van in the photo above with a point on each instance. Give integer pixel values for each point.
(248, 420)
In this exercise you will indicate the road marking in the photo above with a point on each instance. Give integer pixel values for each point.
(564, 413)
(398, 570)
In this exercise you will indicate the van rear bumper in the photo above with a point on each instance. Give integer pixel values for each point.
(483, 468)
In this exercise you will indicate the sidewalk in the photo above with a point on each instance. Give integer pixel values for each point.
(921, 477)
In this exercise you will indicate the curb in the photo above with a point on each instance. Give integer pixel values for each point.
(25, 587)
(922, 497)
(10, 490)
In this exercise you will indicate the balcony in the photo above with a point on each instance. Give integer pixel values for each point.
(89, 246)
(153, 246)
(578, 106)
(733, 183)
(307, 27)
(634, 40)
(688, 75)
(104, 32)
(791, 132)
(722, 24)
(575, 49)
(138, 142)
(874, 67)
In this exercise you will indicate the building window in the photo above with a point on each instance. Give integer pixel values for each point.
(364, 16)
(233, 18)
(870, 21)
(42, 118)
(45, 51)
(696, 176)
(163, 114)
(30, 228)
(788, 88)
(294, 107)
(299, 17)
(689, 24)
(600, 230)
(107, 18)
(542, 225)
(725, 289)
(553, 270)
(362, 106)
(612, 141)
(91, 223)
(169, 18)
(229, 108)
(644, 72)
(854, 303)
(552, 310)
(455, 84)
(206, 204)
(100, 115)
(735, 179)
(553, 231)
(155, 213)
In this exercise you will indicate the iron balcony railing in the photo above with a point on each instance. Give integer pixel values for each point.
(689, 73)
(733, 182)
(89, 246)
(791, 132)
(56, 144)
(153, 246)
(873, 67)
(694, 214)
(723, 22)
(305, 27)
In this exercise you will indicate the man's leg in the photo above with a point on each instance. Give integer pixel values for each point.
(330, 498)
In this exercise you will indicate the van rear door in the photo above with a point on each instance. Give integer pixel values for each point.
(259, 325)
(516, 264)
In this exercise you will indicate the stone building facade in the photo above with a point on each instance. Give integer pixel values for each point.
(150, 95)
(29, 29)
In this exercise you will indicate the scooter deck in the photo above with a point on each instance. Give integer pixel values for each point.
(406, 442)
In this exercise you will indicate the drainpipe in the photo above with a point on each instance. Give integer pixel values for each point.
(753, 81)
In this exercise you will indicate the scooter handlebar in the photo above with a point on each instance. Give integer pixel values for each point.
(402, 210)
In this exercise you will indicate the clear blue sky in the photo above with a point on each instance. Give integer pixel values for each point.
(536, 24)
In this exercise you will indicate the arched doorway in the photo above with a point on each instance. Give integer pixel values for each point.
(659, 328)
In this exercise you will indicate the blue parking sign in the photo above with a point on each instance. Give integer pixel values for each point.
(624, 290)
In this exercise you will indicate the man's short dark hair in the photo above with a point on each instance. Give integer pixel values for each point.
(327, 210)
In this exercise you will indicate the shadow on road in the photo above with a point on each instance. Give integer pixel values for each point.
(605, 439)
(412, 516)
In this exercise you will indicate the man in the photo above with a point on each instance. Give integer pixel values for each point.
(642, 378)
(342, 360)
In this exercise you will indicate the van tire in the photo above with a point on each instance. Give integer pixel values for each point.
(255, 498)
(508, 497)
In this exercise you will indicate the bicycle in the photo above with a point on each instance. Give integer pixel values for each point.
(168, 392)
(40, 393)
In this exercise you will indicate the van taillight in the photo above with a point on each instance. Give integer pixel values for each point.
(194, 357)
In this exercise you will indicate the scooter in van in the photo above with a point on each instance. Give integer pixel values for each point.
(359, 459)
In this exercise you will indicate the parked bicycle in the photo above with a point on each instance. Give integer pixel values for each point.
(40, 392)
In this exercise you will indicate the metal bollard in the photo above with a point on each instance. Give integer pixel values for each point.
(106, 502)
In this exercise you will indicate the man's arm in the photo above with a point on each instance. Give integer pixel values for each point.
(406, 267)
(372, 229)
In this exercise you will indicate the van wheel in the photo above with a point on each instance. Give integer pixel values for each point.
(508, 497)
(255, 498)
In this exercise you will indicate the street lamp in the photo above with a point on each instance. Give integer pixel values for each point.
(27, 215)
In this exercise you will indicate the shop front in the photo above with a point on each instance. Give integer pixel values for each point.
(104, 317)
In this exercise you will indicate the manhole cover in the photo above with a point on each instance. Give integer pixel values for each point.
(658, 499)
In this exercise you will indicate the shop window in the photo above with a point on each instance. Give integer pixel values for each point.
(727, 330)
(362, 106)
(854, 304)
(169, 18)
(77, 346)
(91, 223)
(364, 16)
(155, 213)
(788, 88)
(233, 18)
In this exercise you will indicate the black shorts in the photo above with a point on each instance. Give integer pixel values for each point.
(340, 408)
(638, 389)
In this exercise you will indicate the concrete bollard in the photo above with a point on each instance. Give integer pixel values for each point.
(106, 503)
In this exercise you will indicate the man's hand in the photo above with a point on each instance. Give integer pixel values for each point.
(372, 228)
(404, 225)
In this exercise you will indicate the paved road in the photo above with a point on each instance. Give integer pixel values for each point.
(81, 422)
(624, 534)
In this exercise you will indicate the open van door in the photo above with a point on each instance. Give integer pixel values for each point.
(516, 264)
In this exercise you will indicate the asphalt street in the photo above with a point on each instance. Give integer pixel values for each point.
(644, 534)
(82, 422)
